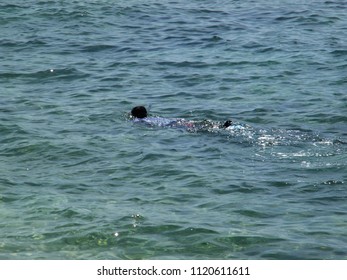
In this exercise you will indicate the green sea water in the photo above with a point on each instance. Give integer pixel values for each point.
(80, 180)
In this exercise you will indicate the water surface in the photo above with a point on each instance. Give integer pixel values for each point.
(79, 180)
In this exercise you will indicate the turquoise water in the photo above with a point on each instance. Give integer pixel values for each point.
(79, 180)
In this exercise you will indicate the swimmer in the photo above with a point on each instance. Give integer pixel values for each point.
(139, 113)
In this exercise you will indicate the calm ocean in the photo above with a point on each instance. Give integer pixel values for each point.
(79, 180)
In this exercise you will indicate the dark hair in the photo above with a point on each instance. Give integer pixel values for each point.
(139, 112)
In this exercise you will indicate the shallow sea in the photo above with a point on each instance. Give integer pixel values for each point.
(79, 180)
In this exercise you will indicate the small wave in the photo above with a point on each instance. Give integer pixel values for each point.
(46, 75)
(192, 64)
(22, 44)
(322, 118)
(339, 53)
(9, 6)
(200, 64)
(98, 48)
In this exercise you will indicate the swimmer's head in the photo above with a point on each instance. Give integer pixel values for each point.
(139, 112)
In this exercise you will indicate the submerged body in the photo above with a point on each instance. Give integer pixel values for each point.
(165, 122)
(157, 121)
(139, 114)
